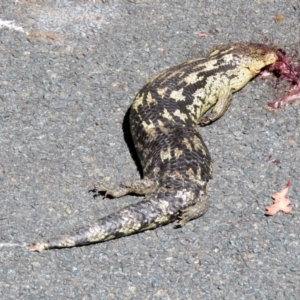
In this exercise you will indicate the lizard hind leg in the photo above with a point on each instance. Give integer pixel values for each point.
(194, 211)
(139, 186)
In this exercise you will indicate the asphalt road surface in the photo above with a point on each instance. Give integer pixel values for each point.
(69, 72)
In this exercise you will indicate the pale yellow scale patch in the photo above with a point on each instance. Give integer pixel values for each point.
(190, 172)
(139, 146)
(197, 144)
(110, 237)
(228, 57)
(147, 165)
(131, 228)
(194, 112)
(178, 175)
(156, 171)
(130, 224)
(209, 65)
(150, 99)
(165, 217)
(167, 115)
(138, 101)
(150, 128)
(187, 143)
(193, 78)
(178, 153)
(150, 226)
(162, 92)
(177, 95)
(180, 115)
(219, 49)
(162, 127)
(185, 195)
(198, 175)
(96, 234)
(165, 155)
(146, 152)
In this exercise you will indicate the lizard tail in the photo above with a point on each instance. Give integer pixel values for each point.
(146, 214)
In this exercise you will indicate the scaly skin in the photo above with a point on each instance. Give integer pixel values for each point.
(176, 163)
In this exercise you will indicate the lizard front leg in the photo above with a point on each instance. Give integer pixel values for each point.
(224, 100)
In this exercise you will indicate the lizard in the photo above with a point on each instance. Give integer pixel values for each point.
(176, 164)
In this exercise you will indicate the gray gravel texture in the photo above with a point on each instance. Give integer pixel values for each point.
(69, 72)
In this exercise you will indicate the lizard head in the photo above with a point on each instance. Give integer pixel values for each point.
(252, 56)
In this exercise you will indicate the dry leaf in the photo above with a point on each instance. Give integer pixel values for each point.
(279, 18)
(280, 202)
